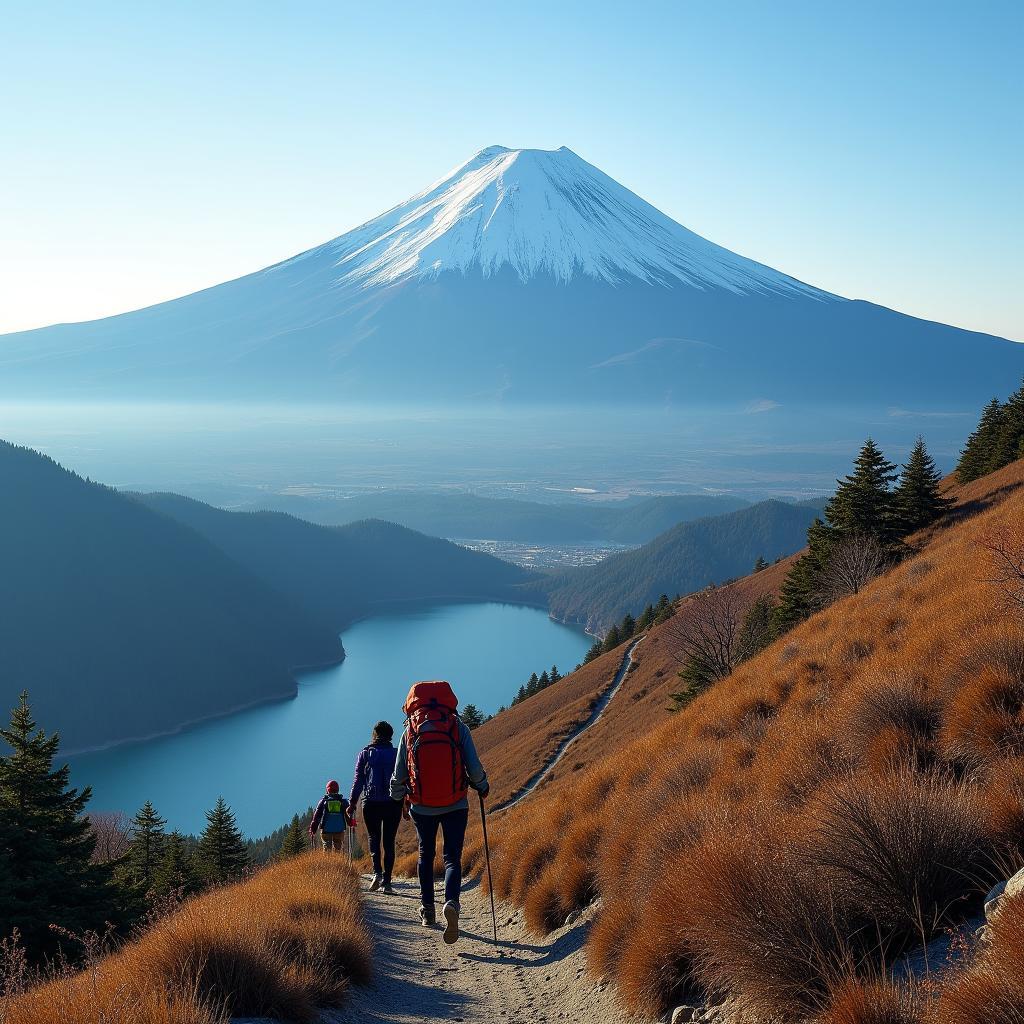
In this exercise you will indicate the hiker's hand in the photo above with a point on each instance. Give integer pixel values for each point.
(484, 792)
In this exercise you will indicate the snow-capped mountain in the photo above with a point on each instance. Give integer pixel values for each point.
(541, 212)
(522, 276)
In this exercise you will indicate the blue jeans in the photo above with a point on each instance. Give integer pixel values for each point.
(453, 831)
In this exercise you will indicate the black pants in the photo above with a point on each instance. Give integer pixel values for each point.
(453, 829)
(382, 819)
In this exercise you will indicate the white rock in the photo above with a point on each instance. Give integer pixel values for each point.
(684, 1014)
(998, 894)
(572, 918)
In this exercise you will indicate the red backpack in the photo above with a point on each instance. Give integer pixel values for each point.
(437, 771)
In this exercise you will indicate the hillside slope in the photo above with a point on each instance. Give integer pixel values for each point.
(873, 734)
(122, 623)
(344, 573)
(681, 560)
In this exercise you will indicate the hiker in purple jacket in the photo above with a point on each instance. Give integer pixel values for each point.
(372, 785)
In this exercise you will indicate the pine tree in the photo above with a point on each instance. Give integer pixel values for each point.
(48, 843)
(758, 629)
(1011, 432)
(799, 590)
(146, 849)
(646, 620)
(663, 611)
(545, 680)
(628, 627)
(760, 564)
(612, 639)
(864, 503)
(295, 839)
(221, 854)
(555, 675)
(520, 695)
(918, 500)
(595, 650)
(531, 685)
(471, 717)
(979, 451)
(176, 873)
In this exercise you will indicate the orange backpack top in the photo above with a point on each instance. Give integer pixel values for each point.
(437, 771)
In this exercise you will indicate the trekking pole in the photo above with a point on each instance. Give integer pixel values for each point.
(487, 855)
(350, 844)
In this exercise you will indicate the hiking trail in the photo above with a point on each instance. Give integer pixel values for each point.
(595, 715)
(419, 978)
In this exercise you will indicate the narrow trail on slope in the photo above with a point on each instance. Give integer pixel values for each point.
(595, 715)
(419, 978)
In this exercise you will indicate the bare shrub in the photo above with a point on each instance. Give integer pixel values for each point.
(113, 832)
(905, 851)
(1003, 547)
(855, 1000)
(852, 564)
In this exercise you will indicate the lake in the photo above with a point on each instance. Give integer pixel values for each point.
(271, 761)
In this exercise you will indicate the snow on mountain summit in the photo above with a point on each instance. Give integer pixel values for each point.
(541, 212)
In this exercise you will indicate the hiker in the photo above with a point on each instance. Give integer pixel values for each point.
(436, 763)
(382, 816)
(331, 818)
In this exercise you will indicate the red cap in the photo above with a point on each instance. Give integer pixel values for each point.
(332, 786)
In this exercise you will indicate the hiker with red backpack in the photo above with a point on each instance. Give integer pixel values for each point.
(436, 764)
(330, 818)
(372, 784)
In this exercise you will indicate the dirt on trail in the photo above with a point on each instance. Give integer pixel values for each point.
(419, 978)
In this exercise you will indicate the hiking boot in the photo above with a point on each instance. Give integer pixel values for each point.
(427, 918)
(451, 922)
(386, 888)
(375, 884)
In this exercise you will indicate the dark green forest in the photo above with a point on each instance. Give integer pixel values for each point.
(686, 558)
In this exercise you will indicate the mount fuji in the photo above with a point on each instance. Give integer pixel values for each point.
(523, 276)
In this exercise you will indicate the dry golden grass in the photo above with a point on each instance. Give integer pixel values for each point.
(280, 945)
(839, 798)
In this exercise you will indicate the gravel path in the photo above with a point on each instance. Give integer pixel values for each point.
(598, 710)
(420, 979)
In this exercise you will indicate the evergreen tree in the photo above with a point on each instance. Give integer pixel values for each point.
(545, 681)
(758, 628)
(146, 849)
(221, 854)
(176, 873)
(612, 639)
(295, 839)
(595, 651)
(918, 500)
(979, 451)
(760, 564)
(471, 716)
(520, 695)
(1011, 432)
(864, 502)
(555, 675)
(47, 844)
(531, 685)
(663, 610)
(799, 590)
(646, 620)
(628, 627)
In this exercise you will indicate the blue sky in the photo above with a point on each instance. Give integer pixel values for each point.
(874, 149)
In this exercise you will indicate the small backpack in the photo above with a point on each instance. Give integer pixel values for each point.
(334, 813)
(380, 766)
(437, 770)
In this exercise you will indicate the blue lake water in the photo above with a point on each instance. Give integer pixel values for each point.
(271, 761)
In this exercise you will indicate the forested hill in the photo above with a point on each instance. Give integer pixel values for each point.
(346, 572)
(466, 516)
(680, 560)
(121, 622)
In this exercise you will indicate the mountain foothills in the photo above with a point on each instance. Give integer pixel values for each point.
(519, 259)
(125, 621)
(687, 557)
(471, 516)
